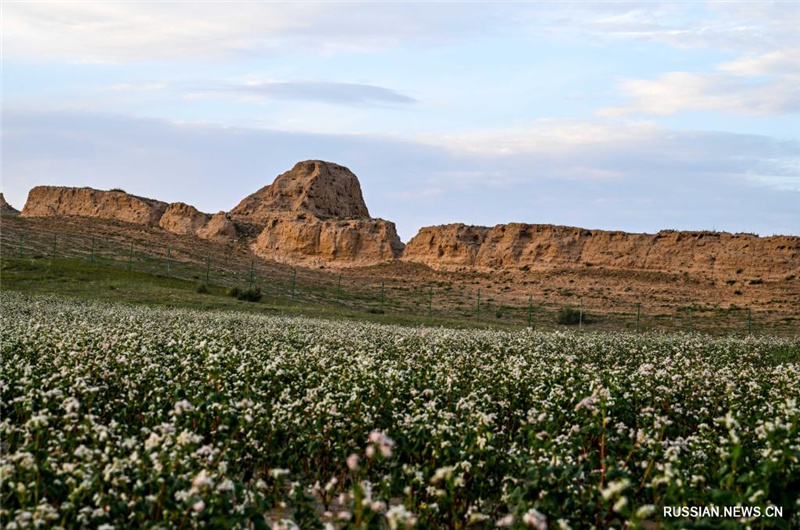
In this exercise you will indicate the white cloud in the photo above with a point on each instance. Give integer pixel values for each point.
(417, 193)
(137, 87)
(785, 61)
(677, 91)
(143, 31)
(751, 27)
(763, 33)
(127, 31)
(614, 151)
(786, 183)
(131, 31)
(350, 94)
(756, 84)
(547, 136)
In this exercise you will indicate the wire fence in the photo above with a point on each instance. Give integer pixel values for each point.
(170, 256)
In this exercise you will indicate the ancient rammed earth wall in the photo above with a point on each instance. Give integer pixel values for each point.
(515, 245)
(48, 201)
(299, 238)
(5, 207)
(315, 214)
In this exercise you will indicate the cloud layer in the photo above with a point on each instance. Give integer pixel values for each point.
(625, 115)
(639, 178)
(119, 32)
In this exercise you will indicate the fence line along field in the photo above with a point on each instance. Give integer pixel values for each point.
(123, 417)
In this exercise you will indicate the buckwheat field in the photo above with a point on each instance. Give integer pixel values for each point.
(123, 417)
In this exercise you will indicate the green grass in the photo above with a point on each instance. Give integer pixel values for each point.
(81, 280)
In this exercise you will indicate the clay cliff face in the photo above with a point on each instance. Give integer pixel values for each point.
(5, 207)
(515, 245)
(304, 239)
(219, 228)
(47, 201)
(321, 189)
(446, 247)
(315, 214)
(181, 218)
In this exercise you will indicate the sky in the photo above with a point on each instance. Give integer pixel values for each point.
(635, 116)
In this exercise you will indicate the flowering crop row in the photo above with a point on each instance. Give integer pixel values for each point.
(123, 417)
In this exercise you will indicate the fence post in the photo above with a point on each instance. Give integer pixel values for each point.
(169, 257)
(580, 316)
(91, 256)
(430, 300)
(530, 311)
(208, 267)
(53, 258)
(749, 322)
(691, 319)
(130, 258)
(638, 315)
(294, 281)
(252, 264)
(478, 308)
(339, 289)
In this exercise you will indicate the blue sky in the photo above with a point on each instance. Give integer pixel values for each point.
(636, 116)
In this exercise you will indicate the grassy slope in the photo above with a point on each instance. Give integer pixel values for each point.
(79, 279)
